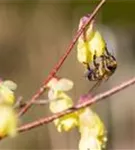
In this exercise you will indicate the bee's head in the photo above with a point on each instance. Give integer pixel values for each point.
(112, 67)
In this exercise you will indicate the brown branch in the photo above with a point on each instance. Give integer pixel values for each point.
(84, 104)
(61, 61)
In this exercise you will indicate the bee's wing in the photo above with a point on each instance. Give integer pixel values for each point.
(96, 85)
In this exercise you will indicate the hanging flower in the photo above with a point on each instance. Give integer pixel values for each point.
(7, 92)
(90, 43)
(60, 101)
(92, 131)
(8, 121)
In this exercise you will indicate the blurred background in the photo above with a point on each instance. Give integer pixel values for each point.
(33, 36)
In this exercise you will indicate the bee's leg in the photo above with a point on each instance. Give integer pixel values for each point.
(110, 59)
(104, 62)
(109, 55)
(94, 58)
(87, 65)
(101, 67)
(98, 71)
(97, 67)
(94, 61)
(95, 86)
(99, 64)
(113, 58)
(107, 52)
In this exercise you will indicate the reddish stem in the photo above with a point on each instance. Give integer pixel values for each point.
(84, 104)
(61, 61)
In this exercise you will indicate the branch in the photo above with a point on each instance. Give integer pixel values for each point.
(84, 104)
(60, 62)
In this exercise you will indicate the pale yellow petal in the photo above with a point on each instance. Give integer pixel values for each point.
(64, 85)
(8, 121)
(10, 84)
(6, 95)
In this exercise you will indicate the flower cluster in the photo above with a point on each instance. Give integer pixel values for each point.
(8, 121)
(92, 52)
(61, 101)
(92, 131)
(90, 126)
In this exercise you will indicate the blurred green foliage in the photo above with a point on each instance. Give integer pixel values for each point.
(122, 11)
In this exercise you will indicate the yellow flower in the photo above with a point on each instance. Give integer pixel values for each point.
(66, 122)
(90, 43)
(92, 130)
(62, 84)
(89, 142)
(8, 121)
(7, 92)
(60, 101)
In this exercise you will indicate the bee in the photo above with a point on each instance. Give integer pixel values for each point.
(92, 52)
(102, 67)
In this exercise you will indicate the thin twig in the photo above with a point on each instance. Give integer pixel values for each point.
(84, 104)
(41, 102)
(61, 61)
